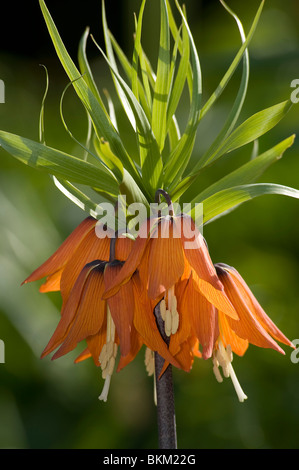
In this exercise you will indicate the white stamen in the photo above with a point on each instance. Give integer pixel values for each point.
(168, 322)
(169, 313)
(104, 394)
(223, 358)
(149, 361)
(163, 309)
(175, 322)
(107, 356)
(217, 374)
(238, 388)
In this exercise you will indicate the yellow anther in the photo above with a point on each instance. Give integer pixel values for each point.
(175, 321)
(149, 361)
(163, 309)
(168, 323)
(108, 355)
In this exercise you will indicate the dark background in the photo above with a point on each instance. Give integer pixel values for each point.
(45, 404)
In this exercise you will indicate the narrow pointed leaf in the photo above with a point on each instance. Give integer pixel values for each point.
(179, 158)
(109, 50)
(99, 116)
(58, 163)
(152, 163)
(228, 199)
(174, 31)
(181, 76)
(128, 69)
(253, 128)
(239, 101)
(85, 68)
(231, 70)
(107, 156)
(76, 196)
(160, 101)
(136, 51)
(247, 173)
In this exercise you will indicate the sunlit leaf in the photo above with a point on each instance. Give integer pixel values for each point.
(239, 101)
(231, 70)
(161, 92)
(230, 198)
(58, 163)
(179, 157)
(247, 173)
(109, 51)
(99, 116)
(253, 128)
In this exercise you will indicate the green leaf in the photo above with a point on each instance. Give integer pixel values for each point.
(175, 34)
(58, 163)
(247, 173)
(76, 196)
(109, 50)
(239, 101)
(231, 70)
(225, 200)
(137, 52)
(86, 70)
(254, 127)
(181, 75)
(42, 110)
(160, 101)
(174, 134)
(151, 163)
(107, 156)
(99, 116)
(179, 157)
(130, 189)
(128, 69)
(115, 166)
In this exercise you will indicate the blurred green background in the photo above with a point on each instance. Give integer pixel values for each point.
(53, 404)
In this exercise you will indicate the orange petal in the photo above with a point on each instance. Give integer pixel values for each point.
(184, 357)
(121, 306)
(90, 313)
(184, 328)
(69, 312)
(166, 260)
(123, 248)
(216, 297)
(83, 355)
(260, 314)
(247, 327)
(52, 283)
(197, 253)
(229, 337)
(90, 249)
(96, 342)
(64, 252)
(136, 343)
(202, 317)
(146, 326)
(132, 261)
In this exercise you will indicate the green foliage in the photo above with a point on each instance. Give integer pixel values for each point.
(50, 405)
(150, 101)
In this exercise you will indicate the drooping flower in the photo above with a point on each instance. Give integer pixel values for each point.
(254, 325)
(208, 332)
(168, 250)
(124, 320)
(63, 267)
